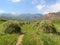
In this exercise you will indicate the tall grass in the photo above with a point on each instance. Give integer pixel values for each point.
(47, 40)
(31, 37)
(6, 39)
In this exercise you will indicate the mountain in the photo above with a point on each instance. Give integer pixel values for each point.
(27, 17)
(21, 16)
(52, 16)
(30, 16)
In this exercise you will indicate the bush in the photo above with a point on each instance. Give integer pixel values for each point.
(11, 27)
(47, 27)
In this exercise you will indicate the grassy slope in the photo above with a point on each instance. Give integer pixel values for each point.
(31, 37)
(1, 22)
(6, 39)
(57, 24)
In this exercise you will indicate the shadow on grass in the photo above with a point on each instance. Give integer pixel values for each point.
(58, 33)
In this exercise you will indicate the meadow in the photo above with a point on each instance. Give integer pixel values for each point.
(31, 36)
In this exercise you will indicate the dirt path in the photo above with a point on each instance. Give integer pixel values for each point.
(19, 39)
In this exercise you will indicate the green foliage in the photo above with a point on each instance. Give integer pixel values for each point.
(47, 27)
(1, 21)
(47, 40)
(30, 36)
(6, 39)
(12, 27)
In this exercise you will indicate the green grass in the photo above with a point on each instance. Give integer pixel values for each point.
(1, 22)
(31, 37)
(57, 25)
(48, 40)
(6, 39)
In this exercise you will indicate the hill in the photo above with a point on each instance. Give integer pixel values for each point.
(52, 16)
(21, 16)
(28, 16)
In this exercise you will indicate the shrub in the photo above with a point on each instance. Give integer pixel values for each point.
(47, 27)
(11, 27)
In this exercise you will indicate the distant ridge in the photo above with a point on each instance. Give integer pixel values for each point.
(21, 16)
(28, 17)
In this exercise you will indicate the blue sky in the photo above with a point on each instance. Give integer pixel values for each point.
(29, 6)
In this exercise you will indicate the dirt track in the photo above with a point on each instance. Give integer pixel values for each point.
(19, 39)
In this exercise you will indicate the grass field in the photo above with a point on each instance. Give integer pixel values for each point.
(31, 37)
(7, 39)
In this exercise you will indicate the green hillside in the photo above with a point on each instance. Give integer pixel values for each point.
(31, 36)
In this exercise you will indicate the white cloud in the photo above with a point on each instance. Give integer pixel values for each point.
(54, 8)
(45, 12)
(48, 8)
(39, 7)
(15, 0)
(2, 11)
(14, 13)
(40, 4)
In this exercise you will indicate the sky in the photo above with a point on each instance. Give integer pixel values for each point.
(29, 6)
